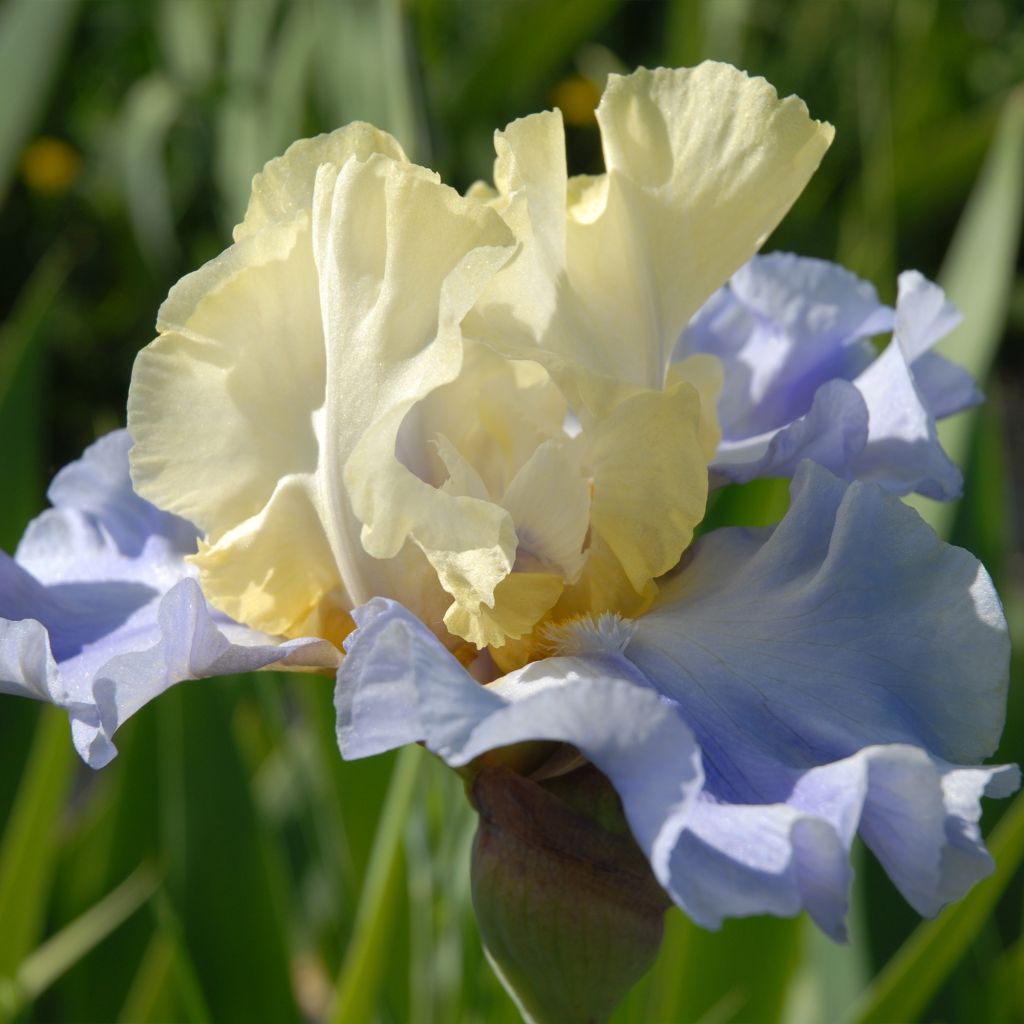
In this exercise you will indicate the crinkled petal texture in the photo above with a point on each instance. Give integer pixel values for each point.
(269, 410)
(99, 612)
(802, 380)
(844, 672)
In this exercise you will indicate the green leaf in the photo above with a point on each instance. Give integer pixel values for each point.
(904, 986)
(150, 110)
(224, 874)
(29, 845)
(978, 276)
(365, 70)
(740, 973)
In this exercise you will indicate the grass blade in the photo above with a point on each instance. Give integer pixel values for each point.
(44, 966)
(21, 395)
(366, 958)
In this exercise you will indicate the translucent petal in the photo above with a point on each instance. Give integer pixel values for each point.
(284, 188)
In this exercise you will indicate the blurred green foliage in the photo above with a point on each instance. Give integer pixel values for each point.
(228, 866)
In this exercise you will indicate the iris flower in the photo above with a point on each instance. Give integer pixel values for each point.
(452, 451)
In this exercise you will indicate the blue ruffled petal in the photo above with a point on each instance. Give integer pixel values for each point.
(843, 670)
(848, 624)
(99, 612)
(784, 326)
(801, 380)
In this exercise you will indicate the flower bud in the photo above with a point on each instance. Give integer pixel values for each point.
(568, 909)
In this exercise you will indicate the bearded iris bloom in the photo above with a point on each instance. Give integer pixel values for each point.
(453, 449)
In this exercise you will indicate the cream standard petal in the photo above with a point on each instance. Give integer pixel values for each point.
(401, 259)
(549, 500)
(221, 405)
(702, 164)
(495, 414)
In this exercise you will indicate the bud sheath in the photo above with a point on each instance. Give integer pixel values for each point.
(568, 909)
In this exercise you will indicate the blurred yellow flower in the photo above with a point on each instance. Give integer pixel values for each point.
(577, 98)
(50, 165)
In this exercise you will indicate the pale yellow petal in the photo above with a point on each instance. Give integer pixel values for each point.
(521, 302)
(401, 258)
(650, 480)
(482, 192)
(285, 185)
(274, 570)
(520, 601)
(496, 412)
(702, 164)
(603, 587)
(463, 479)
(221, 405)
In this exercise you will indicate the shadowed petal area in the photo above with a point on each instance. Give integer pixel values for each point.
(99, 613)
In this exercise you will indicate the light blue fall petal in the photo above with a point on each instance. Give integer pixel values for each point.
(844, 669)
(27, 668)
(179, 639)
(801, 380)
(99, 612)
(917, 814)
(924, 316)
(740, 860)
(903, 453)
(398, 684)
(945, 388)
